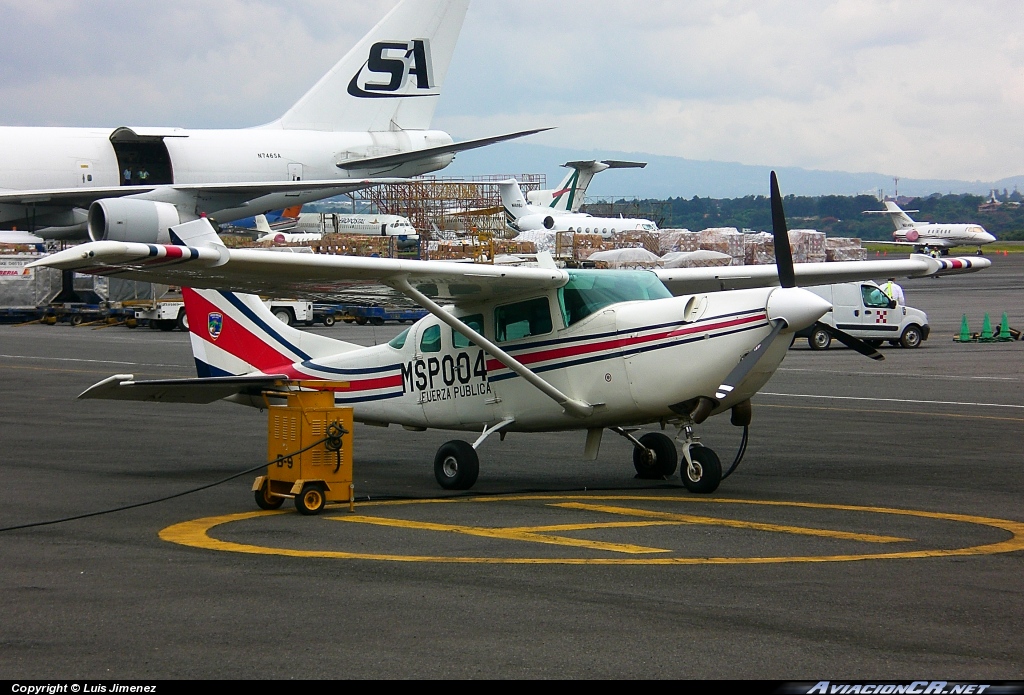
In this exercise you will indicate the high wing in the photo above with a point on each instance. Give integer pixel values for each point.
(203, 262)
(682, 281)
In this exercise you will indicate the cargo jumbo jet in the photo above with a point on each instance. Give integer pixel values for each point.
(369, 117)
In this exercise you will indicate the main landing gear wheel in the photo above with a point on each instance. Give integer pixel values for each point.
(705, 474)
(657, 460)
(264, 500)
(456, 465)
(311, 500)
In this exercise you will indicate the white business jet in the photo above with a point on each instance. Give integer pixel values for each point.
(516, 349)
(930, 237)
(523, 217)
(369, 117)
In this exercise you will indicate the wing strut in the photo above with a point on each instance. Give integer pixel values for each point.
(571, 405)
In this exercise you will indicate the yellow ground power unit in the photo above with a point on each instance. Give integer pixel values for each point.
(309, 450)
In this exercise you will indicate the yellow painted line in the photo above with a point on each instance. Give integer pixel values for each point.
(504, 533)
(892, 412)
(733, 523)
(196, 534)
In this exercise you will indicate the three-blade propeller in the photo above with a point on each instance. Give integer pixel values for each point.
(787, 278)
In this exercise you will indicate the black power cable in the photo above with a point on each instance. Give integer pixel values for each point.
(333, 439)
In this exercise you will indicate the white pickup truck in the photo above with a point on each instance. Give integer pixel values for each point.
(864, 311)
(168, 315)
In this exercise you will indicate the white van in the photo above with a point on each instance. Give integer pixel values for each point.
(864, 311)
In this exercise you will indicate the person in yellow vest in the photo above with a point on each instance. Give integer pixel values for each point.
(894, 291)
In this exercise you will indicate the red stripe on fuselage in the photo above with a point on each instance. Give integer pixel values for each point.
(587, 348)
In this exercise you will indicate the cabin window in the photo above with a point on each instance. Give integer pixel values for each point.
(476, 322)
(589, 291)
(398, 342)
(522, 319)
(430, 341)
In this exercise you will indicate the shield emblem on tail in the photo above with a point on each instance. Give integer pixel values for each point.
(214, 324)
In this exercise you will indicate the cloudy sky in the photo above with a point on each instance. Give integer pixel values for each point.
(925, 89)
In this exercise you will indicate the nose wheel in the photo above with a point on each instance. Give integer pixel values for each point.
(700, 467)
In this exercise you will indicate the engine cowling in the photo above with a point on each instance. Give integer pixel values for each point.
(535, 222)
(129, 219)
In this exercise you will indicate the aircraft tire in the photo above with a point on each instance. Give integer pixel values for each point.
(708, 471)
(663, 463)
(264, 500)
(311, 500)
(911, 337)
(819, 339)
(456, 465)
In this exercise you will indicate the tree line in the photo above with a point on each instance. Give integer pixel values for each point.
(836, 215)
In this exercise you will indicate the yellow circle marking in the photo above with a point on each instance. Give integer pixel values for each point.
(196, 534)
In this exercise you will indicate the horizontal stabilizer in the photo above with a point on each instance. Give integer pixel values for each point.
(122, 387)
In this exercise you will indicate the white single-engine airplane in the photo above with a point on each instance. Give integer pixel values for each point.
(927, 237)
(515, 350)
(368, 117)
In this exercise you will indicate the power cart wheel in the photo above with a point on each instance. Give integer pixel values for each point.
(328, 321)
(658, 459)
(311, 500)
(264, 500)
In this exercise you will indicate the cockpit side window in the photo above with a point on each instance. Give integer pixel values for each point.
(589, 291)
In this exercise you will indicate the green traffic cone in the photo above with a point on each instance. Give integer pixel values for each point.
(965, 332)
(986, 331)
(1004, 329)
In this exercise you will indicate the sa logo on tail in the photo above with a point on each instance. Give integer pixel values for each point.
(396, 61)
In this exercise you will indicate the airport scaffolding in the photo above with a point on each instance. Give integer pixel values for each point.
(439, 204)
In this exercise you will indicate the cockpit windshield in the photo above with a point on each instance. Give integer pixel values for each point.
(589, 291)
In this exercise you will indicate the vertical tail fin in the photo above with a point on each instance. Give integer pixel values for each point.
(234, 334)
(899, 218)
(512, 200)
(573, 189)
(391, 79)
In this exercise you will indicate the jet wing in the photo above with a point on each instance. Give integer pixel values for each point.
(258, 271)
(393, 160)
(122, 387)
(84, 197)
(682, 281)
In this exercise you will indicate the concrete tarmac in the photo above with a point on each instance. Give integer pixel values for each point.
(872, 531)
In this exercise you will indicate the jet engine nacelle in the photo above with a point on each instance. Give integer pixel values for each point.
(129, 219)
(535, 222)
